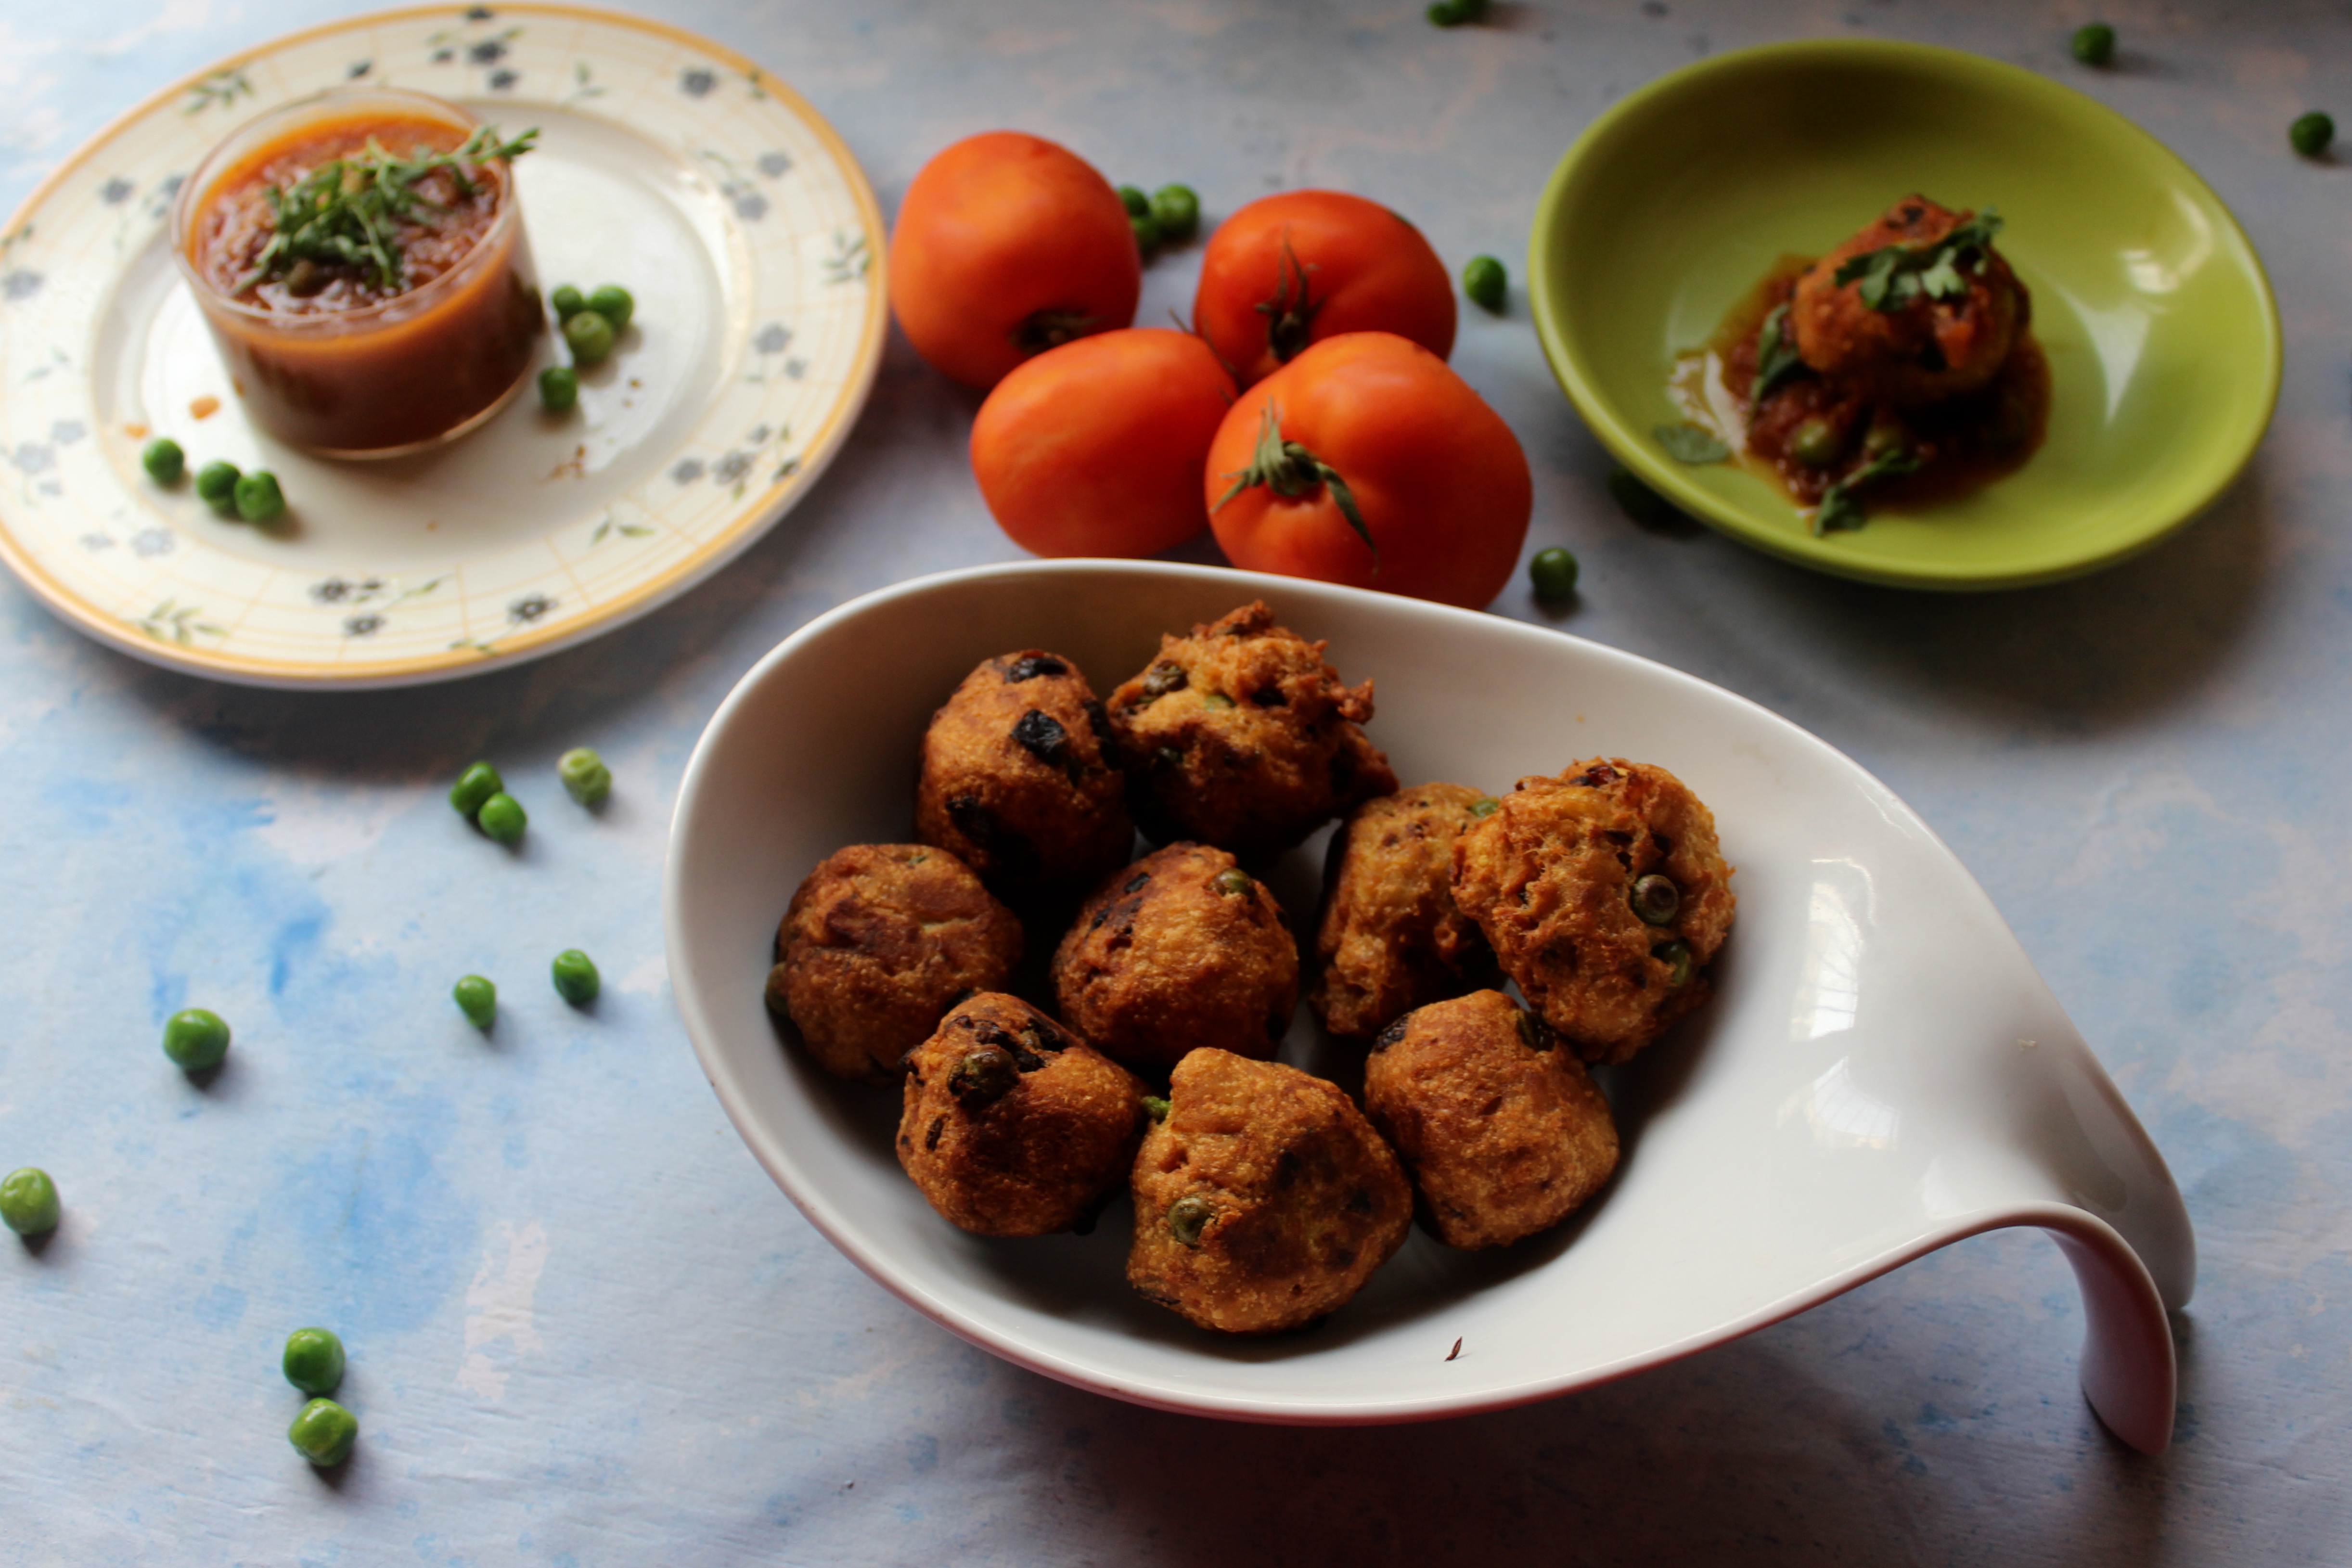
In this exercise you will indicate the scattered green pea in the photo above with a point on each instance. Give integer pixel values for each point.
(1147, 233)
(1136, 204)
(1155, 1107)
(1553, 572)
(1676, 955)
(1485, 805)
(584, 774)
(473, 786)
(576, 980)
(195, 1038)
(1815, 443)
(1638, 500)
(477, 998)
(503, 818)
(1886, 439)
(313, 1360)
(568, 301)
(615, 304)
(216, 485)
(1655, 898)
(589, 336)
(1486, 283)
(1233, 883)
(1187, 1217)
(164, 461)
(258, 499)
(777, 992)
(2311, 135)
(1454, 12)
(1177, 210)
(323, 1433)
(28, 1201)
(558, 389)
(2094, 43)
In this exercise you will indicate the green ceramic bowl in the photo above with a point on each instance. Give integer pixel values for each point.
(2162, 335)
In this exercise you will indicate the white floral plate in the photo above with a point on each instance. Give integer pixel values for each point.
(665, 163)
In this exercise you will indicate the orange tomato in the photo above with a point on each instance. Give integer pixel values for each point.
(1379, 427)
(1293, 269)
(1095, 447)
(1006, 246)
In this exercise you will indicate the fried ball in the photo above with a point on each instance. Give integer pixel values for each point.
(1392, 938)
(1014, 1126)
(1241, 736)
(1019, 778)
(1605, 896)
(1263, 1199)
(1182, 949)
(1504, 1134)
(880, 940)
(1928, 350)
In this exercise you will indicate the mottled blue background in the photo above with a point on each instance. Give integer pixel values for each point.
(583, 1326)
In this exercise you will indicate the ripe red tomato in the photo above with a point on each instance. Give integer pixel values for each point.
(1292, 270)
(1373, 423)
(1096, 448)
(1007, 246)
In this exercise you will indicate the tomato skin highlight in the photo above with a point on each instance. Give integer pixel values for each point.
(1440, 481)
(1365, 269)
(996, 230)
(1096, 448)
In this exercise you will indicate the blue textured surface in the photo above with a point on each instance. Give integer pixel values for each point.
(583, 1328)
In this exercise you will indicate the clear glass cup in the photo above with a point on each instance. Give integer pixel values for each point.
(387, 378)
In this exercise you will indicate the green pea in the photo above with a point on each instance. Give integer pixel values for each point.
(1886, 439)
(568, 301)
(1215, 701)
(576, 980)
(503, 818)
(1815, 443)
(1155, 1107)
(589, 336)
(28, 1201)
(1553, 572)
(983, 1076)
(778, 992)
(313, 1360)
(477, 998)
(195, 1038)
(473, 786)
(1639, 501)
(216, 485)
(258, 499)
(615, 304)
(1485, 805)
(163, 460)
(1454, 12)
(1486, 283)
(323, 1433)
(1188, 1216)
(558, 389)
(584, 774)
(1655, 898)
(1147, 234)
(2094, 43)
(1177, 210)
(2311, 135)
(1676, 955)
(1233, 883)
(1136, 204)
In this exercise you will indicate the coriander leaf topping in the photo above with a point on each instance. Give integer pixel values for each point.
(1776, 359)
(1688, 443)
(1841, 507)
(342, 213)
(1893, 276)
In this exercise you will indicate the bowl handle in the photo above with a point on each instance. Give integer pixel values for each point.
(2130, 1374)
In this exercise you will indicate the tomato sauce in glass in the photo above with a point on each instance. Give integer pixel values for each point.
(334, 358)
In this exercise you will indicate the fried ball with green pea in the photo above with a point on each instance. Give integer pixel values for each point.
(1391, 939)
(1605, 895)
(881, 940)
(1503, 1132)
(1182, 949)
(1240, 735)
(1014, 1126)
(1020, 779)
(1263, 1198)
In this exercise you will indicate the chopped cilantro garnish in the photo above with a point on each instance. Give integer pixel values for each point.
(1776, 359)
(1841, 507)
(1688, 443)
(1894, 275)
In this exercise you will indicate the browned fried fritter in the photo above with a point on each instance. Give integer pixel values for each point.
(1392, 938)
(1182, 949)
(1020, 778)
(880, 940)
(1930, 349)
(1014, 1126)
(1263, 1200)
(1504, 1134)
(1560, 879)
(1241, 736)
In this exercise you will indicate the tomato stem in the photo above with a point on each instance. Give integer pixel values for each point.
(1288, 320)
(1290, 470)
(1050, 329)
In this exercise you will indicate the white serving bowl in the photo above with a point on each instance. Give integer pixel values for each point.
(1880, 1073)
